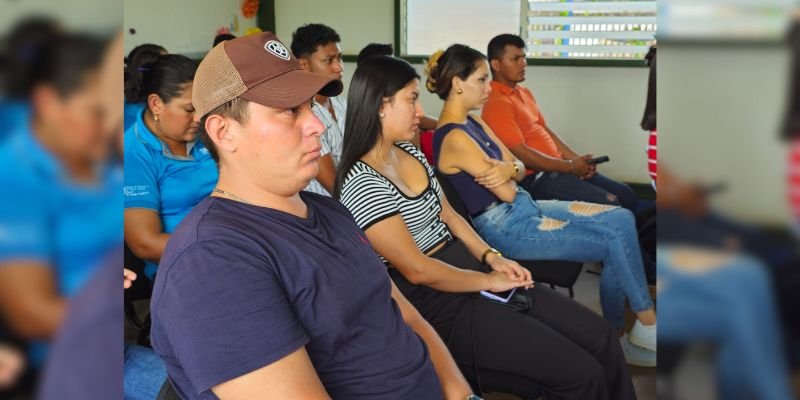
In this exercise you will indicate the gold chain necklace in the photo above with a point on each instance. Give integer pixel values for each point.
(481, 140)
(231, 195)
(380, 159)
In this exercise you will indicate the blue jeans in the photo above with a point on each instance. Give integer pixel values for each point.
(608, 236)
(145, 373)
(599, 189)
(716, 231)
(732, 307)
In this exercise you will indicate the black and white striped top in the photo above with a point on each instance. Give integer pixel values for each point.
(371, 198)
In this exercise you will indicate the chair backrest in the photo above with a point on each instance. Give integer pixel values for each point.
(141, 290)
(167, 392)
(142, 287)
(452, 195)
(426, 145)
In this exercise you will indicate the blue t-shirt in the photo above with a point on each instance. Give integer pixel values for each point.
(48, 217)
(14, 115)
(243, 286)
(157, 180)
(132, 112)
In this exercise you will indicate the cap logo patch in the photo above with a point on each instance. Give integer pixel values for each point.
(277, 48)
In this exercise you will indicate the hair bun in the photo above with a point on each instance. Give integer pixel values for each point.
(431, 68)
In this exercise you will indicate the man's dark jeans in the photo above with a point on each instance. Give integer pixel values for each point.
(599, 189)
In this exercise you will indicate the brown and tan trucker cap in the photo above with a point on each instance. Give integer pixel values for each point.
(257, 68)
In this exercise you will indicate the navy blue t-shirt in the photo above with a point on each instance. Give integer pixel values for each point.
(240, 287)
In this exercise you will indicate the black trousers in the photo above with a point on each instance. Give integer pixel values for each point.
(558, 346)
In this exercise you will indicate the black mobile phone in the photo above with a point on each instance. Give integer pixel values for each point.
(598, 160)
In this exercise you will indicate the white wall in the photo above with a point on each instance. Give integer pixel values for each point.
(358, 22)
(597, 110)
(86, 15)
(182, 26)
(594, 109)
(720, 109)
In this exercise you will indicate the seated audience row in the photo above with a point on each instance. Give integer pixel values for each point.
(433, 254)
(259, 233)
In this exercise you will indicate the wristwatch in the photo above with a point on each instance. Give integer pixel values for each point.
(473, 397)
(486, 253)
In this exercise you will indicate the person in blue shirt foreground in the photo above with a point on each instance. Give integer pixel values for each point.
(85, 359)
(61, 217)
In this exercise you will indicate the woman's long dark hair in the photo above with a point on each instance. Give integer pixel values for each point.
(376, 79)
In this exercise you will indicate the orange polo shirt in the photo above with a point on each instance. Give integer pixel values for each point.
(514, 117)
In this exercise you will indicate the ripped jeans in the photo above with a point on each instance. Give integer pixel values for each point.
(574, 231)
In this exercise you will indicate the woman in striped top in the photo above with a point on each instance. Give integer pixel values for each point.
(557, 346)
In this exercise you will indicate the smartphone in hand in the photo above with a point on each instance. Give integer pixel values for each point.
(598, 160)
(502, 297)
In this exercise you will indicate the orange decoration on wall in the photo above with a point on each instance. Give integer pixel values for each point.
(250, 8)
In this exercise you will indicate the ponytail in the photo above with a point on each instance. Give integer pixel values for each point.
(164, 77)
(139, 61)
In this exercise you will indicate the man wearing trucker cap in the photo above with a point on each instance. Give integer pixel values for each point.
(267, 292)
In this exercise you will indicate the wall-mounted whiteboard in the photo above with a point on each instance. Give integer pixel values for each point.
(182, 26)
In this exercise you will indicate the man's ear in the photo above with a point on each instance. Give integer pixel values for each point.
(222, 132)
(304, 63)
(494, 65)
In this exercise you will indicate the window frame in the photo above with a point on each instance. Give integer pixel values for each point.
(531, 61)
(266, 21)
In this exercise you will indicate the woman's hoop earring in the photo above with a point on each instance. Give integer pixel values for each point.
(459, 91)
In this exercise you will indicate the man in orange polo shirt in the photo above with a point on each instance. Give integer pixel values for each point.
(555, 171)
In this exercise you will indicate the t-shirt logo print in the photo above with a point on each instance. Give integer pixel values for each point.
(277, 48)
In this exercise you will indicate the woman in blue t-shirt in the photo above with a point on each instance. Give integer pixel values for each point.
(167, 170)
(60, 216)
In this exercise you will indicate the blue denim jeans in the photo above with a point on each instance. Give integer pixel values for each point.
(608, 236)
(145, 373)
(732, 307)
(599, 189)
